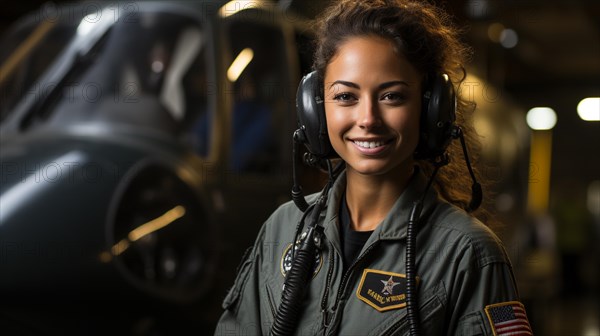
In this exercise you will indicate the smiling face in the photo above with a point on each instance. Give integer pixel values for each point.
(372, 106)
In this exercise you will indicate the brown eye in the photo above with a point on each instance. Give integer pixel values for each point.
(393, 97)
(344, 97)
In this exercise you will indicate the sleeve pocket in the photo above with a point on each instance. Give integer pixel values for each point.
(243, 271)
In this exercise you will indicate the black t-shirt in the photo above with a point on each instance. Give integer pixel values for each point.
(352, 241)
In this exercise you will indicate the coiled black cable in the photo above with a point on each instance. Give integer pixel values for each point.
(303, 258)
(411, 230)
(297, 277)
(412, 311)
(412, 302)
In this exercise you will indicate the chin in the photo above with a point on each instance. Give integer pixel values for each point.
(370, 169)
(383, 168)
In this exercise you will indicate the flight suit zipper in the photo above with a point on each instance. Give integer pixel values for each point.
(327, 287)
(345, 278)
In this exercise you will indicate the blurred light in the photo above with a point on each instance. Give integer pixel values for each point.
(591, 331)
(487, 135)
(157, 66)
(157, 223)
(142, 231)
(95, 20)
(105, 257)
(20, 53)
(235, 6)
(589, 109)
(119, 247)
(483, 127)
(593, 198)
(239, 64)
(591, 327)
(541, 118)
(540, 166)
(505, 202)
(509, 38)
(495, 31)
(86, 25)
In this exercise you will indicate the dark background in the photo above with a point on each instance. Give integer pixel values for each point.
(556, 63)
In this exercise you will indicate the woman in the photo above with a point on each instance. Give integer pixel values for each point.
(376, 61)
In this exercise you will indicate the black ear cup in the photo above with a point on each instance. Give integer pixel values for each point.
(436, 125)
(438, 115)
(310, 109)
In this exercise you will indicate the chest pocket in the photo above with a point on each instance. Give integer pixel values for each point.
(268, 301)
(431, 313)
(243, 271)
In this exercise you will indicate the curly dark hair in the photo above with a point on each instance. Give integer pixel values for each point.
(427, 37)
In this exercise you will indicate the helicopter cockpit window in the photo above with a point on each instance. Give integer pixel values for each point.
(148, 73)
(257, 75)
(26, 52)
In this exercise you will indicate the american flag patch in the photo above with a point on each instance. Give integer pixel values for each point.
(508, 319)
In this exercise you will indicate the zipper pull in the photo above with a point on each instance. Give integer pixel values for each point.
(325, 320)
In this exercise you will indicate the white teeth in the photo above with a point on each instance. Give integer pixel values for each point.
(369, 144)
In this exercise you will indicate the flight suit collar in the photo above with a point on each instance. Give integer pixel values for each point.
(394, 225)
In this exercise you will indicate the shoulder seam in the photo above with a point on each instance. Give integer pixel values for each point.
(481, 260)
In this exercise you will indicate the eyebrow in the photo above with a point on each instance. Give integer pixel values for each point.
(381, 86)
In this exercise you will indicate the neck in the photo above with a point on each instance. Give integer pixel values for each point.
(371, 197)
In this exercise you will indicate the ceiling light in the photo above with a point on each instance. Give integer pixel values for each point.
(239, 64)
(235, 6)
(589, 109)
(495, 31)
(509, 38)
(541, 118)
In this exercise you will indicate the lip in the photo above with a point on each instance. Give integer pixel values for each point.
(371, 151)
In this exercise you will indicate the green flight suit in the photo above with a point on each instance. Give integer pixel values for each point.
(462, 270)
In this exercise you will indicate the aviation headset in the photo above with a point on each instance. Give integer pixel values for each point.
(436, 124)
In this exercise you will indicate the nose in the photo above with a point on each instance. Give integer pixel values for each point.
(369, 115)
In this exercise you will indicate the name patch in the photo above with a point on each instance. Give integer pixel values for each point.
(382, 290)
